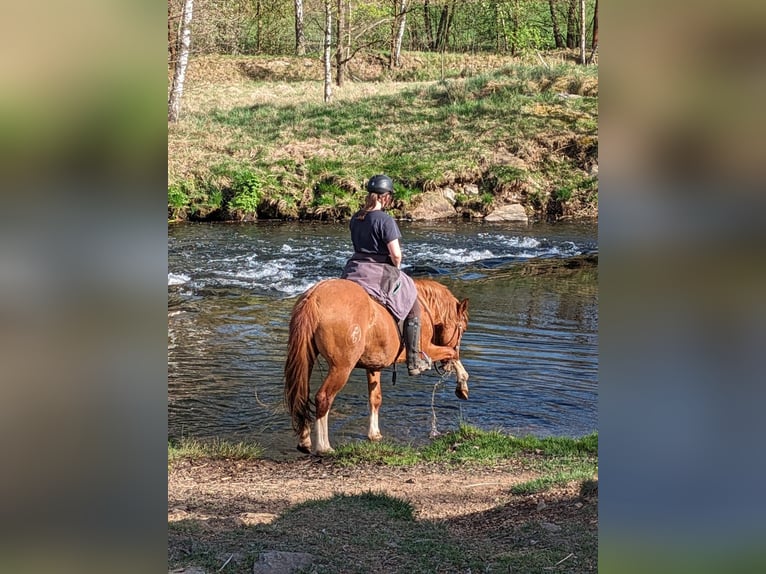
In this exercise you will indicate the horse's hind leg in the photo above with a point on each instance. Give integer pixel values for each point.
(304, 440)
(376, 398)
(334, 382)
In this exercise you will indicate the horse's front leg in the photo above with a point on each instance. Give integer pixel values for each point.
(439, 353)
(376, 398)
(449, 357)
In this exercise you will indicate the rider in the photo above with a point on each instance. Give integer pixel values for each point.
(375, 266)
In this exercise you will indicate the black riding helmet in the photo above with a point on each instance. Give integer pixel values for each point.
(380, 184)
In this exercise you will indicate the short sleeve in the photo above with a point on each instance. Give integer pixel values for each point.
(389, 229)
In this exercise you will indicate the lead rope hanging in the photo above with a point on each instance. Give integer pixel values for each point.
(434, 430)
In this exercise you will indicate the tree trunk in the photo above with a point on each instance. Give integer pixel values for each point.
(427, 23)
(445, 22)
(594, 44)
(502, 29)
(327, 50)
(572, 24)
(259, 27)
(449, 24)
(172, 37)
(582, 32)
(179, 74)
(397, 32)
(516, 26)
(557, 37)
(339, 61)
(300, 36)
(347, 34)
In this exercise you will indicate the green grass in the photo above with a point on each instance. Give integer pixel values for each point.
(559, 460)
(193, 449)
(423, 134)
(581, 471)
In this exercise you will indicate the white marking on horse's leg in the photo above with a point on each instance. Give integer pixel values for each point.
(374, 431)
(323, 435)
(461, 389)
(376, 398)
(462, 374)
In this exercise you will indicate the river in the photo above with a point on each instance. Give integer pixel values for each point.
(531, 348)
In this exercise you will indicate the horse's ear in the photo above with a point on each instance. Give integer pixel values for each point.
(462, 307)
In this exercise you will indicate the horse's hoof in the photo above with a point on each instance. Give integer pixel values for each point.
(375, 438)
(304, 449)
(461, 393)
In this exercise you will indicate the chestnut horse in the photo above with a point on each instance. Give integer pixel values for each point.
(337, 319)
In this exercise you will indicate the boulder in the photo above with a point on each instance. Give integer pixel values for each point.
(431, 205)
(509, 212)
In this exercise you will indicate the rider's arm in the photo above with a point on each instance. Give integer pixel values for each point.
(395, 251)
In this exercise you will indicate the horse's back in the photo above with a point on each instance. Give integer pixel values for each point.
(339, 293)
(341, 303)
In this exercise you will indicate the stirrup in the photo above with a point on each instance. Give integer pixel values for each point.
(423, 363)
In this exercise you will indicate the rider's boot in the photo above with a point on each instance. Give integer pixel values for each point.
(417, 362)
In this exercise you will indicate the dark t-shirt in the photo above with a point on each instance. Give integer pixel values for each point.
(372, 234)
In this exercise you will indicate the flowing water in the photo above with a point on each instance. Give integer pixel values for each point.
(531, 348)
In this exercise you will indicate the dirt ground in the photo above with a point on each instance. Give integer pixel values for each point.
(475, 503)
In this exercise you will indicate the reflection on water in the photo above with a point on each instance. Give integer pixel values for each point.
(531, 348)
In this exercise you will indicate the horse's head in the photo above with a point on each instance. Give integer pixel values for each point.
(454, 323)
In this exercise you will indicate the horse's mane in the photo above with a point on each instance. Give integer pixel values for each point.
(439, 300)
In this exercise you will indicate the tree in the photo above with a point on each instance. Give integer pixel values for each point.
(172, 36)
(594, 42)
(326, 50)
(179, 74)
(572, 24)
(427, 24)
(342, 41)
(397, 32)
(557, 37)
(442, 30)
(582, 32)
(300, 36)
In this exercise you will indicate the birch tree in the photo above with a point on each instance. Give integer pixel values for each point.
(340, 56)
(400, 18)
(179, 74)
(326, 51)
(582, 32)
(300, 36)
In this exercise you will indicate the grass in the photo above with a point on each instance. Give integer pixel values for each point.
(560, 460)
(193, 449)
(427, 133)
(469, 444)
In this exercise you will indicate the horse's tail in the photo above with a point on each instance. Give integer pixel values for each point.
(301, 354)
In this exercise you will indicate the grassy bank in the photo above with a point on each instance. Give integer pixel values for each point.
(256, 141)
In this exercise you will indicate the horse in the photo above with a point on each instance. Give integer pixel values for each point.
(337, 319)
